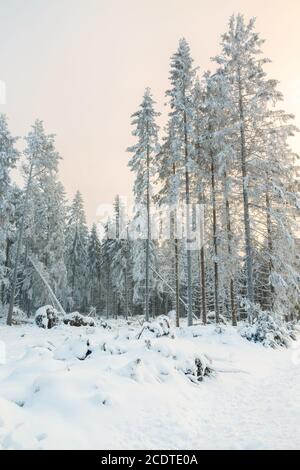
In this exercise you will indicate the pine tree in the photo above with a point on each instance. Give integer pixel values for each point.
(94, 267)
(181, 103)
(221, 153)
(121, 266)
(199, 183)
(77, 254)
(142, 164)
(8, 158)
(254, 112)
(44, 239)
(41, 159)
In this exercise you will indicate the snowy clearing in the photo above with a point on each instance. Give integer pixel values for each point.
(101, 388)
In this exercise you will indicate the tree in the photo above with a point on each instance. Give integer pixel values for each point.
(142, 164)
(222, 155)
(94, 266)
(8, 158)
(253, 109)
(44, 239)
(76, 252)
(181, 103)
(41, 158)
(201, 176)
(169, 196)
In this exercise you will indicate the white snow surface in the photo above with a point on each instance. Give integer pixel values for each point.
(132, 393)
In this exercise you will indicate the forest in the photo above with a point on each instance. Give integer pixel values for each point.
(225, 147)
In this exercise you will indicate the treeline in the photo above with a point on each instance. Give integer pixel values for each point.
(225, 146)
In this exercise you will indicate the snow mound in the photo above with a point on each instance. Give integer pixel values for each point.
(79, 348)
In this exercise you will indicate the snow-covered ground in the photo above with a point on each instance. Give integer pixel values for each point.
(133, 393)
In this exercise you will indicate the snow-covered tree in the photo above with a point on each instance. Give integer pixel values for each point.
(8, 158)
(44, 239)
(254, 109)
(41, 160)
(181, 102)
(77, 254)
(143, 164)
(94, 267)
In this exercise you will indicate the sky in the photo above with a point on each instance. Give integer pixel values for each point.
(82, 66)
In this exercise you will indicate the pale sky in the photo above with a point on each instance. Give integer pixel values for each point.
(82, 66)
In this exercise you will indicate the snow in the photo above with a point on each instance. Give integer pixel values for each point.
(102, 388)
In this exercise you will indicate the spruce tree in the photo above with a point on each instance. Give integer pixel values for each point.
(143, 165)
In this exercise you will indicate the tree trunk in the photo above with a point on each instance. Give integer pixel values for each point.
(188, 229)
(4, 293)
(147, 316)
(202, 267)
(215, 240)
(270, 246)
(107, 290)
(229, 240)
(249, 258)
(203, 286)
(176, 263)
(126, 292)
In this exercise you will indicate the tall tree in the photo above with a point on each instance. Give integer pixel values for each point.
(41, 158)
(253, 97)
(77, 255)
(8, 158)
(94, 267)
(142, 164)
(169, 198)
(181, 103)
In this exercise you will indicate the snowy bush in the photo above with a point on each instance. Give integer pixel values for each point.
(76, 319)
(267, 331)
(47, 317)
(158, 328)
